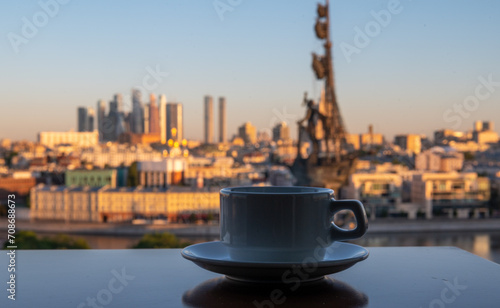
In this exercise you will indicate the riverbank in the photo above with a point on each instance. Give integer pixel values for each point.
(381, 226)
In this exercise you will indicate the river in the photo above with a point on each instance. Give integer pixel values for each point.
(483, 244)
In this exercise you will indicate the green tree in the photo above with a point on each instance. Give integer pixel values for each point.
(160, 240)
(29, 240)
(8, 158)
(469, 156)
(133, 175)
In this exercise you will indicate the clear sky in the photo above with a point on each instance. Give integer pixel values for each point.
(428, 58)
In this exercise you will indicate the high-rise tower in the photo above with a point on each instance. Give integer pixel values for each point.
(163, 118)
(137, 119)
(101, 116)
(209, 120)
(174, 122)
(222, 119)
(154, 119)
(82, 119)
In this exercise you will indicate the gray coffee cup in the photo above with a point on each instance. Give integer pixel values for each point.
(283, 224)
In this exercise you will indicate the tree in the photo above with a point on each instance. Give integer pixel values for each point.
(160, 240)
(469, 156)
(29, 240)
(133, 175)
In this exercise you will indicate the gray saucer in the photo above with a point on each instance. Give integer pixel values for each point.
(214, 256)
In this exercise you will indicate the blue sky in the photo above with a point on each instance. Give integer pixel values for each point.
(423, 63)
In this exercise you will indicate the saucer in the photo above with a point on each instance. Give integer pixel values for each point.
(214, 256)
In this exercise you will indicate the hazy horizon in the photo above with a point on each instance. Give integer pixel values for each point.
(426, 67)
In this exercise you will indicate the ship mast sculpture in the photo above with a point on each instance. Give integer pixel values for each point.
(333, 125)
(319, 169)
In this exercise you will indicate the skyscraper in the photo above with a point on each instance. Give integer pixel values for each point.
(145, 120)
(222, 119)
(154, 120)
(82, 119)
(101, 115)
(90, 119)
(209, 120)
(281, 132)
(163, 118)
(248, 133)
(174, 122)
(137, 119)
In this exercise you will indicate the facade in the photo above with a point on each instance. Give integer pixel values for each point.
(353, 140)
(463, 193)
(222, 119)
(442, 159)
(248, 133)
(80, 139)
(175, 129)
(116, 155)
(281, 132)
(107, 204)
(162, 173)
(20, 186)
(410, 143)
(380, 193)
(93, 178)
(208, 120)
(370, 140)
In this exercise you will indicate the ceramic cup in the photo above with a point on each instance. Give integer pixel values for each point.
(283, 224)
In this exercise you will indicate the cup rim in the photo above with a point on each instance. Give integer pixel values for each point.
(275, 190)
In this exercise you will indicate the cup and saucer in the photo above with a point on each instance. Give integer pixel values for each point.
(281, 235)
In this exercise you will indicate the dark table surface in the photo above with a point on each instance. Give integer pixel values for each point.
(390, 277)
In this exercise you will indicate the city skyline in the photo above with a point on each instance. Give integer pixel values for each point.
(426, 65)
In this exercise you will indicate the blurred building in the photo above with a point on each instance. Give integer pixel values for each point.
(380, 193)
(463, 193)
(134, 139)
(248, 133)
(222, 119)
(371, 139)
(445, 136)
(443, 159)
(208, 120)
(146, 118)
(101, 116)
(116, 155)
(162, 173)
(93, 178)
(18, 185)
(163, 118)
(154, 116)
(137, 116)
(353, 140)
(175, 127)
(410, 143)
(484, 133)
(81, 139)
(280, 176)
(118, 204)
(281, 132)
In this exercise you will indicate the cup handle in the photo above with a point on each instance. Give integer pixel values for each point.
(338, 234)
